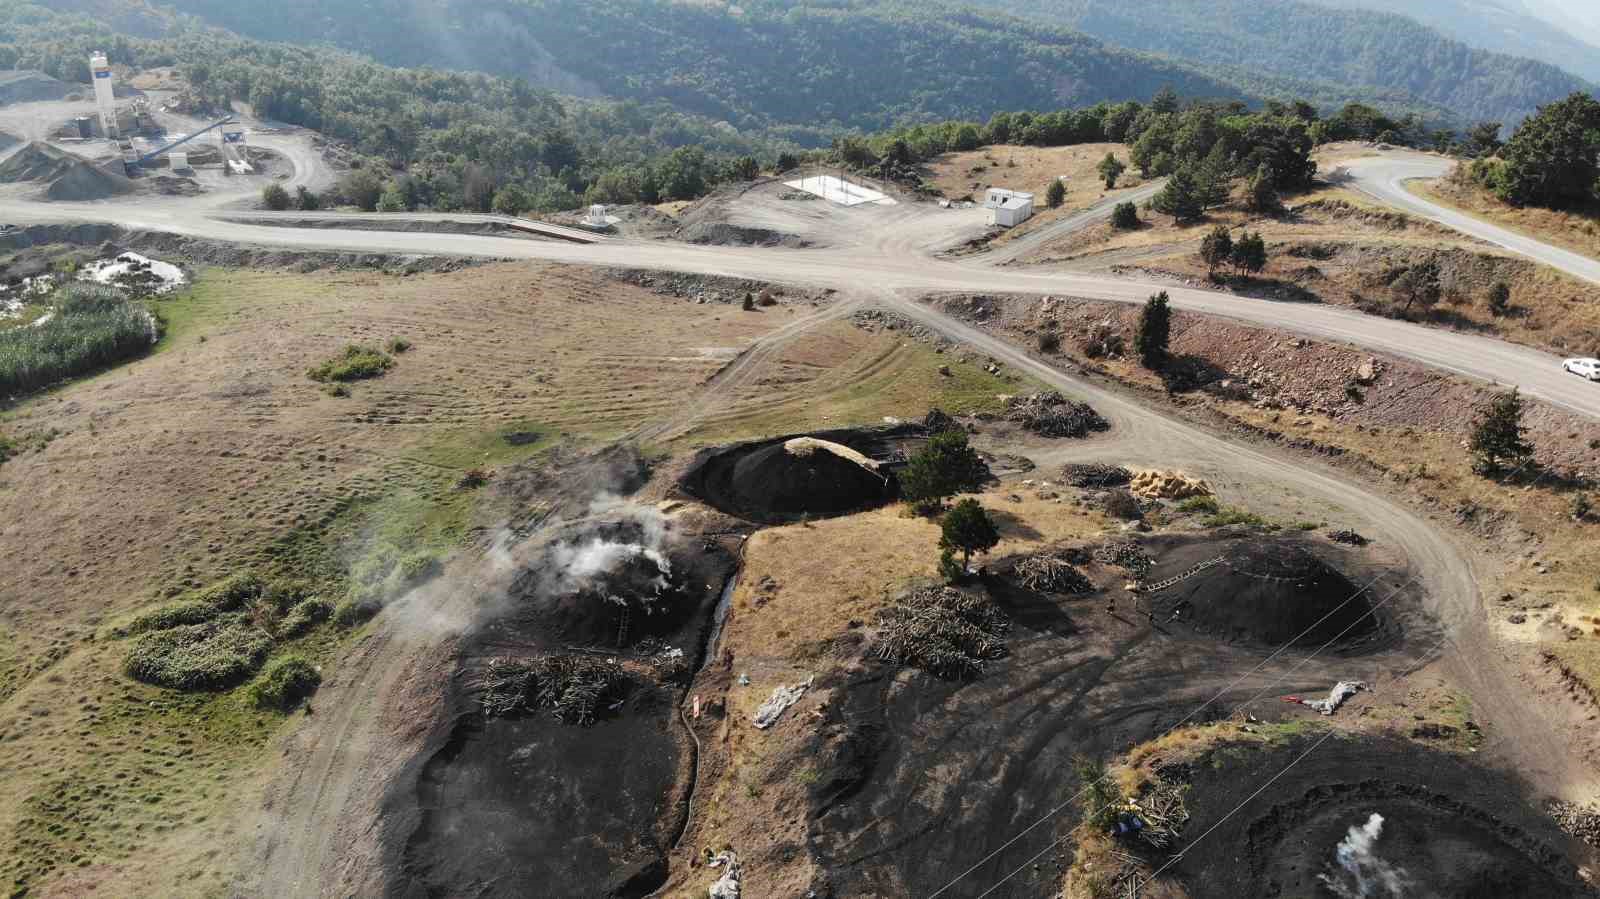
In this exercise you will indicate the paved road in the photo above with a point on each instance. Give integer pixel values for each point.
(1383, 178)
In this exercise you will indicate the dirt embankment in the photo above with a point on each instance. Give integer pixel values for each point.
(1276, 371)
(66, 177)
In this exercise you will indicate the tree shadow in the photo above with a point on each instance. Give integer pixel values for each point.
(1035, 611)
(1012, 527)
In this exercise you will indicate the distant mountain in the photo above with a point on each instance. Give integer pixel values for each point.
(1379, 51)
(1564, 33)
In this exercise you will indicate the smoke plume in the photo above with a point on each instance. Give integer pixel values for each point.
(1357, 873)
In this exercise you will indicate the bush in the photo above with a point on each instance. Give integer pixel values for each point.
(305, 616)
(274, 197)
(215, 655)
(94, 326)
(356, 611)
(1500, 298)
(306, 200)
(1049, 341)
(200, 606)
(1125, 216)
(1121, 505)
(1205, 504)
(284, 683)
(354, 364)
(397, 345)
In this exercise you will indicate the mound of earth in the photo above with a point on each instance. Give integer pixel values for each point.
(37, 161)
(32, 87)
(86, 181)
(1261, 590)
(723, 234)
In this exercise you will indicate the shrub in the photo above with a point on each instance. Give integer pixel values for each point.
(1227, 517)
(1049, 341)
(274, 197)
(1121, 505)
(201, 606)
(397, 345)
(305, 616)
(1500, 298)
(356, 363)
(214, 655)
(1125, 217)
(1055, 194)
(284, 683)
(306, 200)
(94, 326)
(355, 611)
(1206, 504)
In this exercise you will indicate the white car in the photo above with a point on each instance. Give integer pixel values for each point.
(1583, 368)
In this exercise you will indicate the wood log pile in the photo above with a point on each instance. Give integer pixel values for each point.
(943, 631)
(1051, 573)
(1050, 414)
(1095, 474)
(575, 689)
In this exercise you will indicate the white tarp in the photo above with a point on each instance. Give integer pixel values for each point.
(834, 189)
(779, 702)
(1341, 691)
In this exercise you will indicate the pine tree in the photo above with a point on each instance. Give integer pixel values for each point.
(1250, 253)
(1263, 191)
(1500, 298)
(1125, 216)
(1216, 248)
(1111, 168)
(969, 529)
(943, 468)
(1155, 331)
(1497, 435)
(1180, 198)
(1055, 194)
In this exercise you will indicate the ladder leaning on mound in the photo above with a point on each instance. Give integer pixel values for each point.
(1162, 585)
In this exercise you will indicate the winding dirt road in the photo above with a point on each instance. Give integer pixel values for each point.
(320, 839)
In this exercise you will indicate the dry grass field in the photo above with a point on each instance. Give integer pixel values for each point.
(1578, 231)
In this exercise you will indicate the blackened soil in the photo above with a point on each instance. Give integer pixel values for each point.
(758, 481)
(529, 807)
(1451, 828)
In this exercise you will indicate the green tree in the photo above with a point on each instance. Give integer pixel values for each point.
(1551, 160)
(1110, 169)
(1216, 248)
(1125, 216)
(967, 528)
(1180, 198)
(274, 197)
(306, 200)
(946, 466)
(1214, 176)
(949, 568)
(362, 189)
(1417, 284)
(393, 199)
(1155, 331)
(745, 168)
(1249, 253)
(1263, 191)
(1498, 436)
(1055, 194)
(513, 200)
(1483, 139)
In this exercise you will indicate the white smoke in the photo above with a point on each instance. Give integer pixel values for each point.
(1357, 873)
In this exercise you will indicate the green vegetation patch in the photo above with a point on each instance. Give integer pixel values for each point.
(284, 683)
(1228, 516)
(213, 655)
(356, 363)
(92, 327)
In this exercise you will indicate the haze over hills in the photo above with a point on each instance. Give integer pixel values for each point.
(1357, 48)
(921, 61)
(1565, 33)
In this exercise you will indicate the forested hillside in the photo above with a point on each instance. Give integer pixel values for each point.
(807, 69)
(1504, 26)
(1360, 48)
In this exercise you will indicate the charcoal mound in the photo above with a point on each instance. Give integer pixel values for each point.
(809, 476)
(1271, 591)
(640, 594)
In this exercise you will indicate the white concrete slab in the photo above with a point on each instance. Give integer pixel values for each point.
(839, 191)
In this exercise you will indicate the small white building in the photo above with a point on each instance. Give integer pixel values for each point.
(1008, 208)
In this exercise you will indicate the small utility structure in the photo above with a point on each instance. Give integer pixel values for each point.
(1008, 208)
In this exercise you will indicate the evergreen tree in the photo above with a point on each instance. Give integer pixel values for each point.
(1249, 253)
(1216, 248)
(1417, 284)
(1263, 194)
(967, 528)
(1155, 331)
(1181, 197)
(1110, 169)
(946, 466)
(1500, 298)
(1551, 160)
(306, 200)
(1125, 216)
(1055, 194)
(1214, 175)
(1497, 435)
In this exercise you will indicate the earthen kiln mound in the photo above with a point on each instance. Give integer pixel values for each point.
(787, 478)
(1268, 590)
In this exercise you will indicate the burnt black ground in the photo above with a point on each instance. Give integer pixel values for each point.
(759, 482)
(1455, 829)
(921, 778)
(531, 807)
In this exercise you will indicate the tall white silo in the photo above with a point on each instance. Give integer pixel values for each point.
(104, 98)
